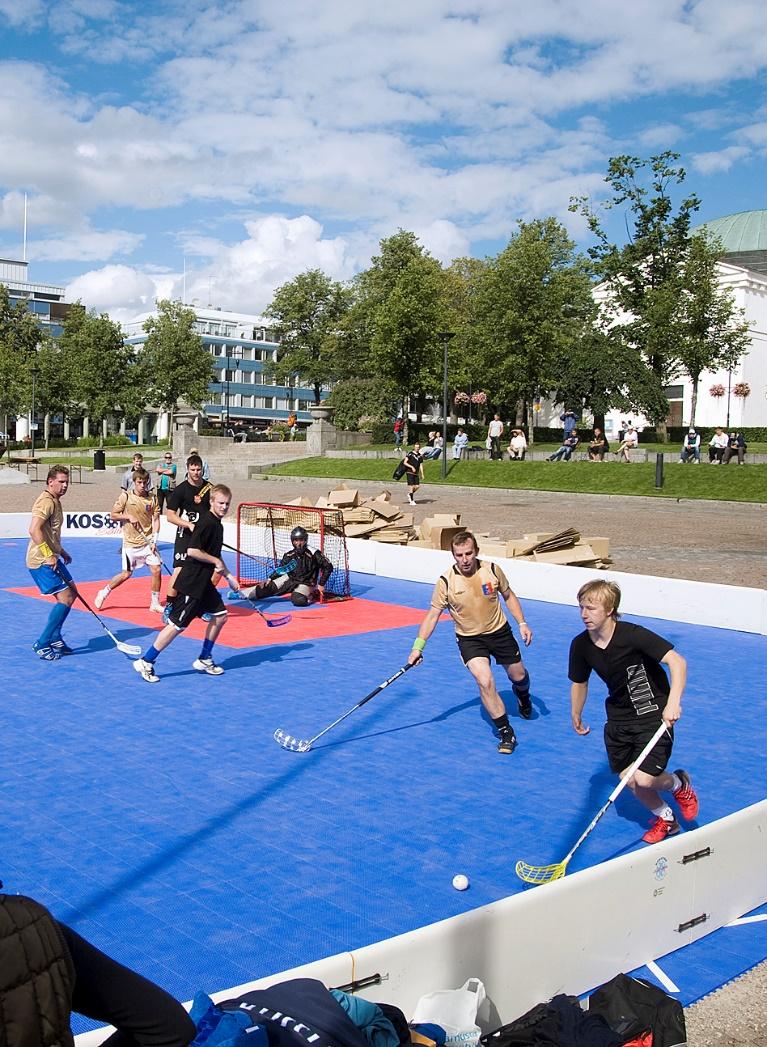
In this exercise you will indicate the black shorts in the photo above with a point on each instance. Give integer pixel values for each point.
(180, 546)
(413, 479)
(501, 645)
(187, 608)
(624, 741)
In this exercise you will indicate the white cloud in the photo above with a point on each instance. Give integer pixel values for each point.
(120, 290)
(719, 160)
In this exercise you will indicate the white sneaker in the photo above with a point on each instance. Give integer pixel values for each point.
(155, 605)
(146, 669)
(101, 595)
(206, 665)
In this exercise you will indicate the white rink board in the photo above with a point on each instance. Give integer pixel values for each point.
(672, 599)
(568, 936)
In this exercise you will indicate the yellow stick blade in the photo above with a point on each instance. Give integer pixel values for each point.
(540, 873)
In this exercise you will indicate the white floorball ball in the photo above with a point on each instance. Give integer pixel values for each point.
(460, 882)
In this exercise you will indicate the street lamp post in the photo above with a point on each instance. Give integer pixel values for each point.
(445, 337)
(34, 372)
(729, 391)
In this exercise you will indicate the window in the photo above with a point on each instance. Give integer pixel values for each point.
(247, 401)
(215, 398)
(269, 402)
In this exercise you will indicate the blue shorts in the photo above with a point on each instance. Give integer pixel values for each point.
(50, 581)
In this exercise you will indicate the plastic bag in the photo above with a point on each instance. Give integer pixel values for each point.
(455, 1010)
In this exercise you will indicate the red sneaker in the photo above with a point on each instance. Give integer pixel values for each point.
(660, 829)
(686, 797)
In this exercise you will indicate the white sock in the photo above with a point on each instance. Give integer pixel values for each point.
(676, 783)
(663, 811)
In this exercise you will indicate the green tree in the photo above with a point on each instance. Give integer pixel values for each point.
(392, 328)
(96, 363)
(19, 338)
(308, 311)
(173, 358)
(530, 306)
(713, 332)
(644, 278)
(460, 286)
(359, 402)
(53, 389)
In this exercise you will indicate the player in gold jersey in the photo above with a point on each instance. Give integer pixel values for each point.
(138, 512)
(470, 592)
(47, 559)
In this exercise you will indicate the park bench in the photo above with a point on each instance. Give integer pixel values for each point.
(28, 461)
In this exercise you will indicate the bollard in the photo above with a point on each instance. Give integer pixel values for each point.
(659, 470)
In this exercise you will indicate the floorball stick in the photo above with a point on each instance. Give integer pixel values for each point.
(274, 621)
(299, 745)
(547, 873)
(129, 649)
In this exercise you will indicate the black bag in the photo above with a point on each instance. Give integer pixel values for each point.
(631, 1006)
(399, 472)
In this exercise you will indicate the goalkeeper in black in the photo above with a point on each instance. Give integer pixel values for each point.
(302, 572)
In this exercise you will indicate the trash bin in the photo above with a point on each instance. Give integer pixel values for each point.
(99, 460)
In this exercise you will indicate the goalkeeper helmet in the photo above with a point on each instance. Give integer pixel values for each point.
(299, 534)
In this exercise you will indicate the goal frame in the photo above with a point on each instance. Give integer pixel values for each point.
(326, 530)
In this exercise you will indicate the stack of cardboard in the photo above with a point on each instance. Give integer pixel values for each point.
(379, 520)
(374, 518)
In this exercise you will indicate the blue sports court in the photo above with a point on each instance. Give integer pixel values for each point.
(165, 824)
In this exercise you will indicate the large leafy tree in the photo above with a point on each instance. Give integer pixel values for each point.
(308, 311)
(460, 286)
(713, 332)
(173, 358)
(393, 327)
(97, 365)
(19, 339)
(643, 278)
(530, 309)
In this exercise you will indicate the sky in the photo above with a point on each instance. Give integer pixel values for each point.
(245, 142)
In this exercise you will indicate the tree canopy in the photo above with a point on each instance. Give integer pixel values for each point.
(173, 358)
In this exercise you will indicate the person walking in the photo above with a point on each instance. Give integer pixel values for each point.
(471, 592)
(413, 464)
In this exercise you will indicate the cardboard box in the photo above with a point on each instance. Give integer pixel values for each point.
(441, 536)
(519, 547)
(302, 501)
(383, 509)
(578, 556)
(601, 546)
(344, 498)
(492, 550)
(439, 520)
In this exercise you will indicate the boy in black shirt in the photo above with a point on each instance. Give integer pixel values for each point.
(629, 658)
(197, 592)
(185, 505)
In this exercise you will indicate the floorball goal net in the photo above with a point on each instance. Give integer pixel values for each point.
(263, 537)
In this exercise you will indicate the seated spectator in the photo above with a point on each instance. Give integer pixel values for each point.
(517, 446)
(690, 447)
(565, 451)
(736, 445)
(717, 446)
(459, 445)
(434, 450)
(48, 971)
(630, 441)
(599, 446)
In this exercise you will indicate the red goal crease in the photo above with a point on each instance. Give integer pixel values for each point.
(263, 537)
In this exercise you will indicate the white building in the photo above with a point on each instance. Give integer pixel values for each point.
(242, 346)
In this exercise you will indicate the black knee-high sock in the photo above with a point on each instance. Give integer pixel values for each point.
(521, 688)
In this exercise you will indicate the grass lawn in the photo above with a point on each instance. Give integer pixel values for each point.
(718, 483)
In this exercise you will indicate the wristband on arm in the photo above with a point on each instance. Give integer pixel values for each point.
(419, 644)
(45, 549)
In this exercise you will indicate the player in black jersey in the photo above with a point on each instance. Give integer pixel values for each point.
(197, 592)
(630, 660)
(183, 508)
